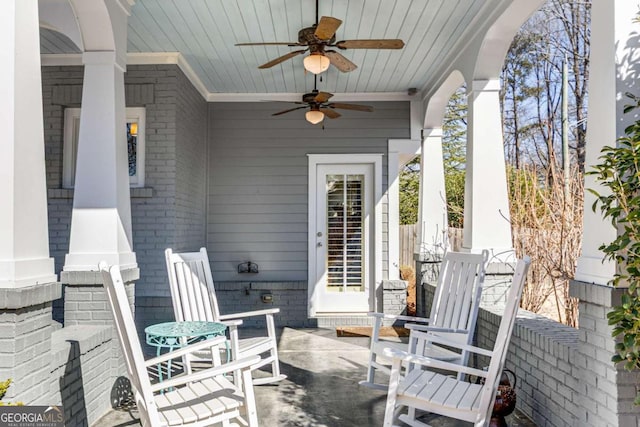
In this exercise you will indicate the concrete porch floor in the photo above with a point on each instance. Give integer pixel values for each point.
(321, 388)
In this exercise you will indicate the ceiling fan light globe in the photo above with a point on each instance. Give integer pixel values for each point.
(316, 63)
(314, 117)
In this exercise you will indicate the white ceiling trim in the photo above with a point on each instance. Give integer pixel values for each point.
(154, 58)
(294, 97)
(146, 58)
(62, 59)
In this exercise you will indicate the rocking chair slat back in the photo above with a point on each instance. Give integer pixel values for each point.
(455, 291)
(192, 287)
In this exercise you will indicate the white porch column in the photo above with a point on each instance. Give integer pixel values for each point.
(101, 218)
(432, 207)
(400, 153)
(486, 204)
(614, 51)
(393, 213)
(24, 238)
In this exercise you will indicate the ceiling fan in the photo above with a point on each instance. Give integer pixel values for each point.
(317, 38)
(319, 106)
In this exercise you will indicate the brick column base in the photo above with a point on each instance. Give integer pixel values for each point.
(427, 272)
(394, 298)
(25, 341)
(607, 391)
(85, 303)
(497, 281)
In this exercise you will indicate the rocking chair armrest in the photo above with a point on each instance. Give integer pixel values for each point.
(232, 322)
(199, 346)
(227, 368)
(400, 356)
(428, 328)
(399, 317)
(440, 340)
(264, 312)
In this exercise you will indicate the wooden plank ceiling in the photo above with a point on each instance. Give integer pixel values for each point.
(205, 32)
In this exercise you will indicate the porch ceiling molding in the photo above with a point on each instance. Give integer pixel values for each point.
(176, 58)
(440, 36)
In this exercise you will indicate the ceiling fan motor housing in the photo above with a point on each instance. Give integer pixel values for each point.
(310, 98)
(307, 36)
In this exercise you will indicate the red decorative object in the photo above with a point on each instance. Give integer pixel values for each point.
(505, 400)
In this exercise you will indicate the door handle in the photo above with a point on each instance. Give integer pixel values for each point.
(319, 244)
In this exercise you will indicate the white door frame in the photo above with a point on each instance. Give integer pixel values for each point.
(334, 159)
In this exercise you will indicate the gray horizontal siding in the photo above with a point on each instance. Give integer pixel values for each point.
(258, 167)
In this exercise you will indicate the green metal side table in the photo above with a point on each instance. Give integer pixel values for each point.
(173, 335)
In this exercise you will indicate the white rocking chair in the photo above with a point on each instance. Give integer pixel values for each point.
(199, 399)
(194, 299)
(453, 314)
(423, 389)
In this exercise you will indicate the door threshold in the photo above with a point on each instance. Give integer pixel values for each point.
(341, 314)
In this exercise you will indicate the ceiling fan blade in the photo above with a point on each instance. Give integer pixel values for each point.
(269, 44)
(330, 113)
(282, 102)
(323, 97)
(355, 107)
(282, 58)
(288, 111)
(340, 62)
(327, 27)
(371, 44)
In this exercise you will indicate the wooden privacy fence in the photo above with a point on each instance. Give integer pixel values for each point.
(409, 236)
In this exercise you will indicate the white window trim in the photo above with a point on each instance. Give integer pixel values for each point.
(69, 152)
(70, 145)
(376, 161)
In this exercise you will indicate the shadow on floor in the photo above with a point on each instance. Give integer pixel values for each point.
(321, 389)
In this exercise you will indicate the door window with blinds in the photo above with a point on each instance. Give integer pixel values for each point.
(345, 232)
(342, 222)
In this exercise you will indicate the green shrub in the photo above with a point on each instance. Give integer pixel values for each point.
(4, 385)
(619, 172)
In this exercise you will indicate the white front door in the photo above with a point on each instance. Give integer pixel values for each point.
(343, 238)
